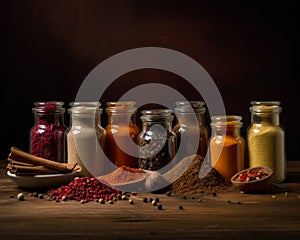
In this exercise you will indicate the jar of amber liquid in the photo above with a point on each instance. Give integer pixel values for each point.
(265, 136)
(227, 146)
(121, 134)
(191, 125)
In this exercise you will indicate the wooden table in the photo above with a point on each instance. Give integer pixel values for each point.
(259, 216)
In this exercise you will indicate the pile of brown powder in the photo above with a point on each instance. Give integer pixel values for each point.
(189, 182)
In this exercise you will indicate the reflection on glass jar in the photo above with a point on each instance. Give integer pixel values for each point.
(157, 141)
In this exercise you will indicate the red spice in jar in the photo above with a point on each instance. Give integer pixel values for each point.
(47, 134)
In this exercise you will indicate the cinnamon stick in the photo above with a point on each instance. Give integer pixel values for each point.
(22, 156)
(21, 170)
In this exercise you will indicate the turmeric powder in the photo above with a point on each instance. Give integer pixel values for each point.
(227, 146)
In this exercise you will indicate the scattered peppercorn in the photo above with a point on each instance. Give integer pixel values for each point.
(64, 198)
(168, 193)
(199, 200)
(214, 194)
(184, 197)
(156, 199)
(11, 196)
(111, 201)
(29, 194)
(130, 201)
(21, 196)
(180, 207)
(101, 201)
(150, 199)
(145, 199)
(35, 194)
(154, 203)
(133, 193)
(82, 201)
(124, 197)
(159, 207)
(40, 196)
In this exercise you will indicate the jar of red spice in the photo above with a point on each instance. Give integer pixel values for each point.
(191, 125)
(47, 133)
(121, 134)
(227, 146)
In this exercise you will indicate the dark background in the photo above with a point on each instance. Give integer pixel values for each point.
(250, 49)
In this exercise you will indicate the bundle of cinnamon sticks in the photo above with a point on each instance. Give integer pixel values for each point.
(23, 163)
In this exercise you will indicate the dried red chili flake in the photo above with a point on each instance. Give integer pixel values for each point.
(85, 188)
(251, 175)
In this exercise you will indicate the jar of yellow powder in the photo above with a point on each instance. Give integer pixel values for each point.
(265, 138)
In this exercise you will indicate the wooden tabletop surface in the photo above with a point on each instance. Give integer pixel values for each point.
(258, 216)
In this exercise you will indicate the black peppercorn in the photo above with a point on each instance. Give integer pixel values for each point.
(159, 207)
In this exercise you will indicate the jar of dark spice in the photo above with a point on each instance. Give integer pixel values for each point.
(47, 134)
(157, 140)
(121, 134)
(191, 125)
(85, 138)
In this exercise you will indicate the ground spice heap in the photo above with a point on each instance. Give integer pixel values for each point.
(123, 174)
(86, 189)
(189, 182)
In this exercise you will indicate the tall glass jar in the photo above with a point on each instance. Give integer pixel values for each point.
(121, 134)
(226, 145)
(85, 138)
(47, 134)
(265, 137)
(186, 112)
(157, 140)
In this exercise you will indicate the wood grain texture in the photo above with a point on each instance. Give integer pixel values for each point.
(259, 216)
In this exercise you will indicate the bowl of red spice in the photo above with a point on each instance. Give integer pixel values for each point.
(253, 180)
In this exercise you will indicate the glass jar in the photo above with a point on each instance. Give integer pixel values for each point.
(157, 140)
(265, 138)
(85, 138)
(227, 146)
(186, 112)
(121, 134)
(47, 134)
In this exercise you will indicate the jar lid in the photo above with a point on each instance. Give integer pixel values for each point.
(265, 106)
(48, 107)
(190, 106)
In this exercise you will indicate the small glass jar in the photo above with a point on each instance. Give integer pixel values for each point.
(227, 146)
(186, 112)
(85, 137)
(265, 138)
(47, 134)
(121, 134)
(157, 140)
